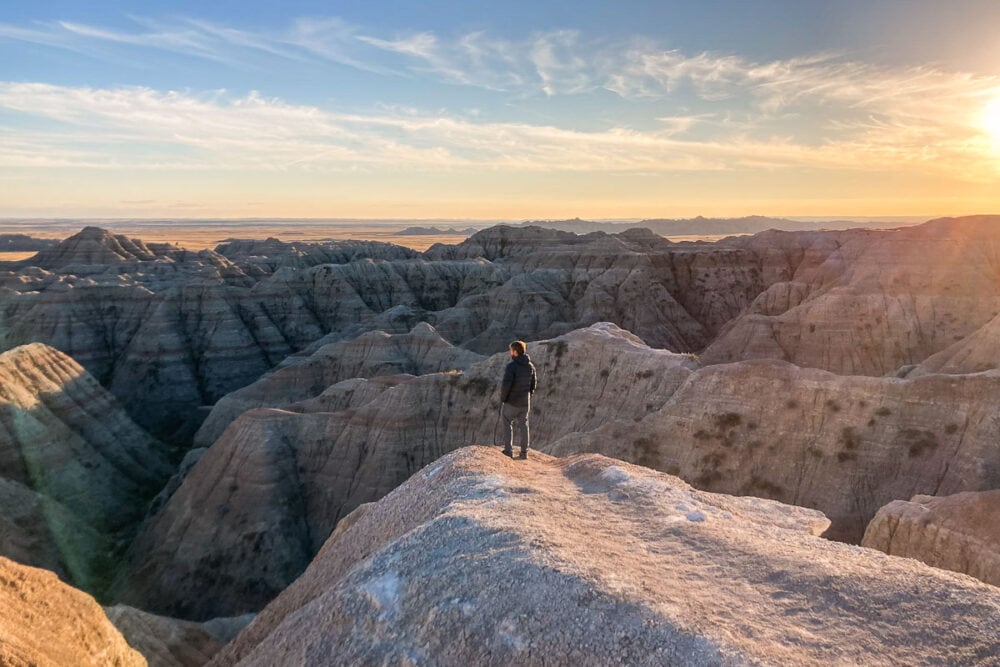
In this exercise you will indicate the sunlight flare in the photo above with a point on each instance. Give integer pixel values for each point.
(991, 121)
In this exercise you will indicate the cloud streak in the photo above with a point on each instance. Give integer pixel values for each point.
(147, 129)
(822, 111)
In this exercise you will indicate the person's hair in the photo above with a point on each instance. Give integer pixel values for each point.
(519, 346)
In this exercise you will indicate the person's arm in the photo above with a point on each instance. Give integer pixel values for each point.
(508, 382)
(531, 388)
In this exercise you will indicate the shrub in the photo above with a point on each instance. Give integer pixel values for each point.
(849, 438)
(728, 420)
(920, 441)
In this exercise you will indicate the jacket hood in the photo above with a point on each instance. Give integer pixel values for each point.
(522, 359)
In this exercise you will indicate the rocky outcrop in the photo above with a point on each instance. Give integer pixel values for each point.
(44, 622)
(93, 246)
(960, 532)
(844, 445)
(502, 241)
(278, 481)
(75, 471)
(267, 256)
(482, 560)
(170, 642)
(170, 332)
(977, 352)
(878, 300)
(373, 354)
(23, 243)
(259, 503)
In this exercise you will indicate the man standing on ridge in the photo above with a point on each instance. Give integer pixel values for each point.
(515, 392)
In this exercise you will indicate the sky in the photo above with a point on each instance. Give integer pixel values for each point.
(518, 110)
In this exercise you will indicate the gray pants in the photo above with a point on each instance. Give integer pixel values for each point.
(516, 417)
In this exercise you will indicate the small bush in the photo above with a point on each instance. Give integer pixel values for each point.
(728, 420)
(849, 438)
(920, 441)
(767, 488)
(559, 347)
(480, 386)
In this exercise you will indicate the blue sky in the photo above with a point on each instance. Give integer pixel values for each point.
(448, 109)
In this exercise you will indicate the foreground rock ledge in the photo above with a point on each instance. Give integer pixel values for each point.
(480, 559)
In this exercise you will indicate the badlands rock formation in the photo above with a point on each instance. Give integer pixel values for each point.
(332, 373)
(975, 353)
(46, 623)
(261, 501)
(170, 331)
(169, 642)
(482, 560)
(277, 481)
(959, 532)
(94, 246)
(844, 445)
(23, 243)
(876, 301)
(370, 355)
(266, 257)
(75, 471)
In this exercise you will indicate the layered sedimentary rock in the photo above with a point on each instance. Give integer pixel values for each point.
(171, 331)
(170, 642)
(23, 243)
(277, 481)
(482, 560)
(260, 502)
(960, 532)
(844, 445)
(878, 300)
(47, 623)
(75, 471)
(977, 352)
(675, 296)
(94, 246)
(267, 256)
(373, 354)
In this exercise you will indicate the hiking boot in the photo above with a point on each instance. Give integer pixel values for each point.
(523, 454)
(508, 452)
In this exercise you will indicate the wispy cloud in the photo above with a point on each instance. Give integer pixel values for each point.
(822, 110)
(145, 128)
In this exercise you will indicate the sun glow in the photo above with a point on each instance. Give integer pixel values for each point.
(991, 121)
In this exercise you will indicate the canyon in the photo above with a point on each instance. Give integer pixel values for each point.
(254, 429)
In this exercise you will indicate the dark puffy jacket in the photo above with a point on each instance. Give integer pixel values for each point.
(518, 381)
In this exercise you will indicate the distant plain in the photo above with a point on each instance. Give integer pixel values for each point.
(202, 234)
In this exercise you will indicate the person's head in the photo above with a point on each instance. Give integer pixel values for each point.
(518, 348)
